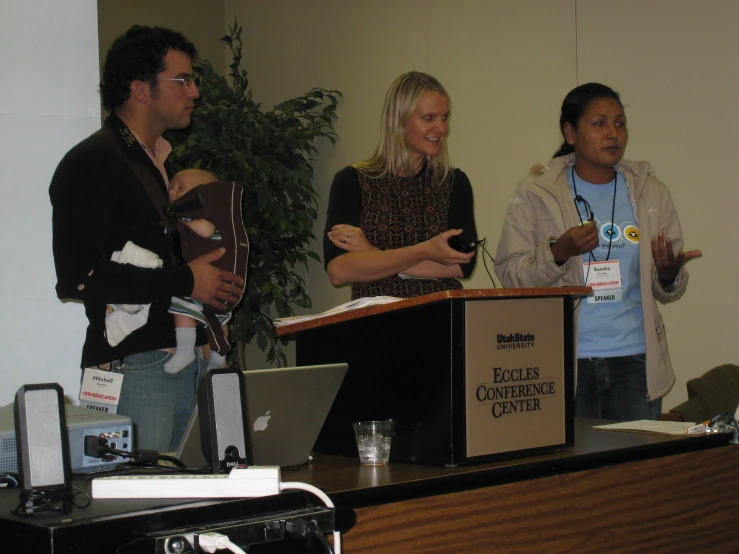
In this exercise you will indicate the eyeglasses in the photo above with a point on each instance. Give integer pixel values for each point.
(183, 81)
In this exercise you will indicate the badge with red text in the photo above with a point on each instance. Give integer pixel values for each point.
(101, 390)
(605, 280)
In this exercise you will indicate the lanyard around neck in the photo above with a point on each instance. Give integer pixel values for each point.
(589, 212)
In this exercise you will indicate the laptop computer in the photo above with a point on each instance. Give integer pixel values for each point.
(285, 409)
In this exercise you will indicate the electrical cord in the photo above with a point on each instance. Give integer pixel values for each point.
(211, 542)
(8, 480)
(144, 470)
(98, 447)
(297, 528)
(85, 493)
(484, 262)
(303, 529)
(326, 500)
(32, 501)
(171, 459)
(323, 540)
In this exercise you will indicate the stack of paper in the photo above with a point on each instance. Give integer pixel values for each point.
(353, 305)
(649, 426)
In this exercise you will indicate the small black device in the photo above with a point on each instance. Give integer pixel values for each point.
(463, 245)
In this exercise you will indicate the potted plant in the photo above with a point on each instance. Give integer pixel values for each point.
(269, 152)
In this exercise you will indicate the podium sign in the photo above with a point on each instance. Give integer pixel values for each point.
(515, 384)
(468, 376)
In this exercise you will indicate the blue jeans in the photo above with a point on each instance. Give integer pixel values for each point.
(159, 404)
(614, 388)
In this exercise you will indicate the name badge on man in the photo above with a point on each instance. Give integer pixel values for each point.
(605, 280)
(101, 390)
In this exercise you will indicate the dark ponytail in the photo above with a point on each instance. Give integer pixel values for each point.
(574, 106)
(564, 150)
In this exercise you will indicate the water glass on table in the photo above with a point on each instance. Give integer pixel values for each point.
(374, 439)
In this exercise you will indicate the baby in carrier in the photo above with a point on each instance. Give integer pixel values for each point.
(207, 215)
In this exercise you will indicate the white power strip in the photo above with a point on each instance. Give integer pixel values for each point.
(240, 483)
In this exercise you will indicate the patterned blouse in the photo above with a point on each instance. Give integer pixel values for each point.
(394, 212)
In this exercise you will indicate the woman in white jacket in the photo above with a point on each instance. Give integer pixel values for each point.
(592, 218)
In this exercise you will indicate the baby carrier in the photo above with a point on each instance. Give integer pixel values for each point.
(221, 204)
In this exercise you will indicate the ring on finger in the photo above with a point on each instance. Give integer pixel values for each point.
(345, 239)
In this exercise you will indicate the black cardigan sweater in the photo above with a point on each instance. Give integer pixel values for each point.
(99, 204)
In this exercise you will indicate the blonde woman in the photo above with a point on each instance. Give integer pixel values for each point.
(390, 217)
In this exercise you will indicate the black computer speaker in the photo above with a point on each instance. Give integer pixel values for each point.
(41, 437)
(222, 413)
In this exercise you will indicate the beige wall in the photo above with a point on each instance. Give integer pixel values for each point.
(507, 65)
(48, 103)
(360, 47)
(677, 73)
(201, 21)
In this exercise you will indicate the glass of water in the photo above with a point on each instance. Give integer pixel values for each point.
(374, 439)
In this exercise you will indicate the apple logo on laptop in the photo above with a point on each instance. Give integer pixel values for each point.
(260, 424)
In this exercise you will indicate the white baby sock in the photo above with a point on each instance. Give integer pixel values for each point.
(185, 353)
(216, 361)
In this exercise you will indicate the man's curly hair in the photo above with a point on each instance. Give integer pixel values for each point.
(138, 55)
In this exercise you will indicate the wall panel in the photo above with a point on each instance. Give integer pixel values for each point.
(674, 64)
(48, 102)
(507, 66)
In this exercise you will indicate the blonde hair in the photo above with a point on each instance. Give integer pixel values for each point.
(393, 155)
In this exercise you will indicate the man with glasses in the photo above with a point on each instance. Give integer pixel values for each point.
(110, 190)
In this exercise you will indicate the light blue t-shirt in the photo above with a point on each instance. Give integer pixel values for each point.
(611, 329)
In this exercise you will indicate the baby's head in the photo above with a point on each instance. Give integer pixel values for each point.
(188, 179)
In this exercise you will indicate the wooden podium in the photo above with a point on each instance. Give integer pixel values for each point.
(469, 376)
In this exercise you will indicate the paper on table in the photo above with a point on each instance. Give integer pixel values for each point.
(649, 426)
(348, 306)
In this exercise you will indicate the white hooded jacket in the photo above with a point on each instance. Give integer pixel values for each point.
(542, 208)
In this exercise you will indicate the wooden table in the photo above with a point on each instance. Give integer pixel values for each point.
(612, 492)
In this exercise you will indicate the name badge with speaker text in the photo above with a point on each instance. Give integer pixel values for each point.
(101, 390)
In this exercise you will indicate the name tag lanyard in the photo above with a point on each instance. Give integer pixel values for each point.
(591, 216)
